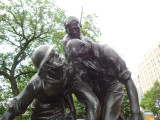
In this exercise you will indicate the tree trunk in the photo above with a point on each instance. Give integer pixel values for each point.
(14, 87)
(15, 92)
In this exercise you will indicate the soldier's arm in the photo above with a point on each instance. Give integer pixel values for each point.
(125, 77)
(133, 98)
(69, 101)
(19, 104)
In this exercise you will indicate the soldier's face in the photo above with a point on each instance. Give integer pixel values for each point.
(53, 67)
(74, 30)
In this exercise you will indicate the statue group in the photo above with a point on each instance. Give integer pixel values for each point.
(93, 72)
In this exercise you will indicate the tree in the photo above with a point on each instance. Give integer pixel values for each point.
(149, 99)
(2, 107)
(24, 25)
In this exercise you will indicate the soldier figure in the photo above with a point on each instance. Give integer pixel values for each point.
(102, 69)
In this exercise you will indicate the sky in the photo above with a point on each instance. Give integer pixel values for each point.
(131, 27)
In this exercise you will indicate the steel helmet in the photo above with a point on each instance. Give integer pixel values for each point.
(41, 54)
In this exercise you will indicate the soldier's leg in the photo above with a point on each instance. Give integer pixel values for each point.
(85, 95)
(113, 99)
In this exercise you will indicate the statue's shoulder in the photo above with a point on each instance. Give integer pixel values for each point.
(109, 52)
(66, 38)
(35, 82)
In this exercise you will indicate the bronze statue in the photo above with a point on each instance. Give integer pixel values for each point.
(46, 88)
(102, 69)
(50, 88)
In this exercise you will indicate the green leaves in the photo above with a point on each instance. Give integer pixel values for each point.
(2, 107)
(126, 106)
(89, 28)
(24, 25)
(149, 99)
(80, 109)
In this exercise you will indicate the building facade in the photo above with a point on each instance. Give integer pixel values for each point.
(149, 70)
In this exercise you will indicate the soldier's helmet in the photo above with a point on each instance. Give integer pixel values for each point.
(40, 55)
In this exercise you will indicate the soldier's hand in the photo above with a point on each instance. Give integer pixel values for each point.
(8, 115)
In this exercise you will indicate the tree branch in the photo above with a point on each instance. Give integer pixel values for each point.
(13, 28)
(14, 17)
(4, 65)
(11, 42)
(35, 28)
(22, 26)
(16, 61)
(41, 33)
(6, 75)
(22, 58)
(23, 73)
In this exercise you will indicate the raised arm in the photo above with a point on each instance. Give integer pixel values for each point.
(19, 104)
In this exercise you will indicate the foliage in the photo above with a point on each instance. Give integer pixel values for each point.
(80, 109)
(126, 106)
(24, 25)
(89, 28)
(2, 107)
(149, 99)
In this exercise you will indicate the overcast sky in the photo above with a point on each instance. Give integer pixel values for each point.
(131, 27)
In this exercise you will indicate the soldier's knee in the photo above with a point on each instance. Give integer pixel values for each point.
(95, 105)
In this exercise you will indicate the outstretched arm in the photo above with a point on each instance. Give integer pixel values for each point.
(19, 104)
(133, 97)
